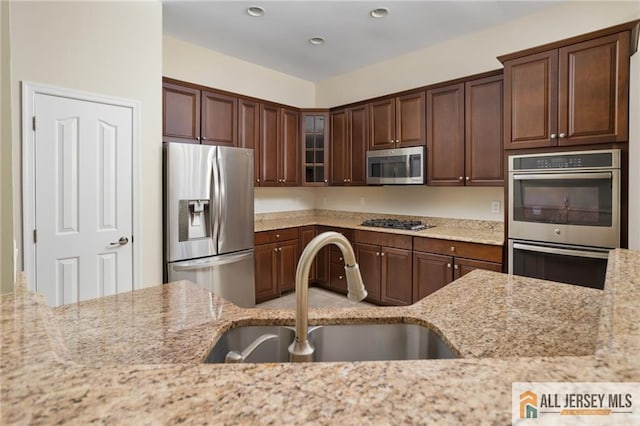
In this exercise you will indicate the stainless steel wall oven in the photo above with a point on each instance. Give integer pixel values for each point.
(564, 215)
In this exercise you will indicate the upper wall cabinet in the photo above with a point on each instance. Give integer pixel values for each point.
(349, 139)
(398, 122)
(180, 113)
(198, 116)
(315, 150)
(279, 146)
(464, 133)
(249, 132)
(574, 94)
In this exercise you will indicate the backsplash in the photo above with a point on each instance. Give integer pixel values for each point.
(459, 203)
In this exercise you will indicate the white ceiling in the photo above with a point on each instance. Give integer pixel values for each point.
(280, 39)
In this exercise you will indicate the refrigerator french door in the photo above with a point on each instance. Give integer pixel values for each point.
(208, 219)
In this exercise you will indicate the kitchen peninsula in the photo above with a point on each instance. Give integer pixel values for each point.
(137, 357)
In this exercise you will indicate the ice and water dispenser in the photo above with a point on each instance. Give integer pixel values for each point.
(194, 220)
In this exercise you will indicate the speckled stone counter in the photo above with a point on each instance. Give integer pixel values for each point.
(136, 358)
(475, 231)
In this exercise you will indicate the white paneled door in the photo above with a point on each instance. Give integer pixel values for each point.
(83, 199)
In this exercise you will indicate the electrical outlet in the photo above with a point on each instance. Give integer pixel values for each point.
(495, 207)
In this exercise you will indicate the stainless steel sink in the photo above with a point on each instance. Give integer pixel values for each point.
(362, 342)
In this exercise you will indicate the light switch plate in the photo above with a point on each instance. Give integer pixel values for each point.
(495, 207)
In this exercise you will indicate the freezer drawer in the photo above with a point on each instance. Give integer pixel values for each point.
(230, 276)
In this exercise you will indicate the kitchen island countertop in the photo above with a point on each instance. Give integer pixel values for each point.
(136, 357)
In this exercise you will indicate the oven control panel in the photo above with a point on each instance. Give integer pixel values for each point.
(602, 159)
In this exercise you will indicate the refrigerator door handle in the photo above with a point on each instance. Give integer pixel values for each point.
(215, 208)
(211, 263)
(222, 200)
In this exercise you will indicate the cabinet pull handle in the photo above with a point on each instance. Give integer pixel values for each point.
(553, 136)
(382, 254)
(277, 235)
(448, 265)
(325, 181)
(377, 253)
(340, 277)
(467, 178)
(279, 248)
(204, 138)
(562, 135)
(453, 248)
(460, 178)
(275, 249)
(340, 259)
(455, 266)
(258, 180)
(197, 138)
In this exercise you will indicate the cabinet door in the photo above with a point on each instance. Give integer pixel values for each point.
(368, 257)
(445, 136)
(410, 120)
(323, 260)
(431, 272)
(249, 132)
(315, 148)
(396, 283)
(483, 132)
(531, 101)
(593, 91)
(266, 256)
(180, 113)
(358, 142)
(338, 280)
(219, 119)
(290, 147)
(287, 264)
(306, 235)
(464, 266)
(383, 124)
(269, 134)
(340, 152)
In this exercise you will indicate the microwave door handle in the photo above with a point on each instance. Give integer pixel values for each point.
(562, 251)
(556, 176)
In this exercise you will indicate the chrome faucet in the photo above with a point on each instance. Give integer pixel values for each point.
(301, 350)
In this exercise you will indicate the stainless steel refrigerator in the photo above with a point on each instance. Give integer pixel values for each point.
(208, 219)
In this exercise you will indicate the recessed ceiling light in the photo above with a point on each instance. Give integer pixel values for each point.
(256, 11)
(379, 12)
(316, 40)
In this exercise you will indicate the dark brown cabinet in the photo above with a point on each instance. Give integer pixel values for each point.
(180, 113)
(573, 95)
(315, 150)
(276, 259)
(386, 266)
(279, 147)
(330, 263)
(437, 263)
(249, 132)
(219, 119)
(464, 138)
(198, 116)
(398, 122)
(307, 233)
(349, 140)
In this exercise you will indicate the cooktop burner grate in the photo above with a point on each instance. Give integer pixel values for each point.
(411, 225)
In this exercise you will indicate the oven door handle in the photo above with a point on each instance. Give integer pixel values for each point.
(564, 252)
(556, 176)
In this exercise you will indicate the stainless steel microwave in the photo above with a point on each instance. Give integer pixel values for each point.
(401, 166)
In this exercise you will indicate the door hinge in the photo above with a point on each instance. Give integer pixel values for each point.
(33, 122)
(35, 236)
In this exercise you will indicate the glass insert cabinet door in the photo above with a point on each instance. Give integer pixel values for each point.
(315, 150)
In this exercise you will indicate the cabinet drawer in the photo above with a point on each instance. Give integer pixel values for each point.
(348, 233)
(276, 235)
(384, 239)
(336, 256)
(478, 251)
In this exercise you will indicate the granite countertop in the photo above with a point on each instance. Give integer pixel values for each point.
(474, 231)
(136, 357)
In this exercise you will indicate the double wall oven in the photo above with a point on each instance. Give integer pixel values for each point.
(564, 215)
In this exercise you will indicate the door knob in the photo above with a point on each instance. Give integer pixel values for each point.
(122, 241)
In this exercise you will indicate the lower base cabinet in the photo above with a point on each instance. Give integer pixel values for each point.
(432, 271)
(330, 263)
(385, 264)
(276, 259)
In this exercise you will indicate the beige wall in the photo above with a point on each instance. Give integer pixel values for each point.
(6, 183)
(634, 154)
(188, 62)
(109, 48)
(473, 53)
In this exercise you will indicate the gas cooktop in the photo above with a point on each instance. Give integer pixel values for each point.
(410, 225)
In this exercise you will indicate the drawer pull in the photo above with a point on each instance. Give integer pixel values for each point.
(453, 248)
(448, 265)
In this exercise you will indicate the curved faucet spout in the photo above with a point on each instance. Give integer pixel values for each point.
(301, 350)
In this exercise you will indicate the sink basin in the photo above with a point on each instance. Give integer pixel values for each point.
(361, 342)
